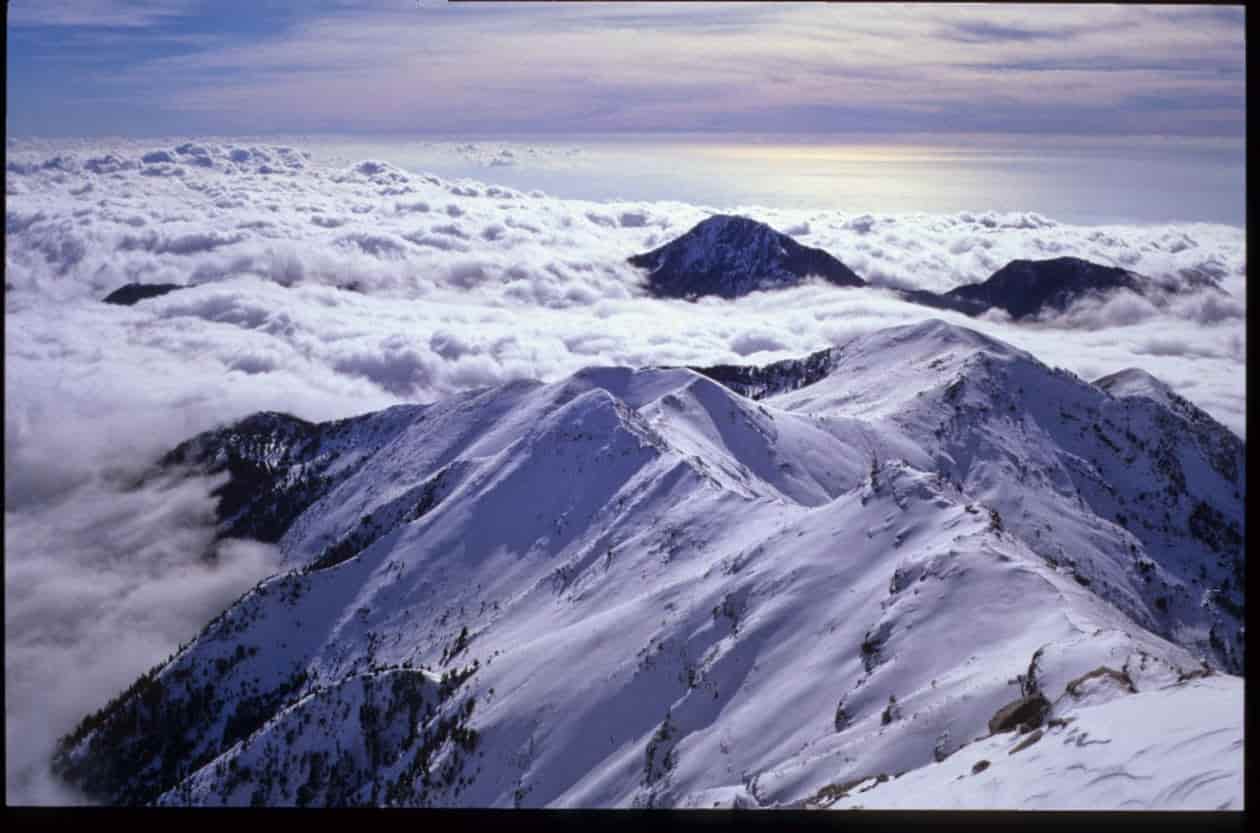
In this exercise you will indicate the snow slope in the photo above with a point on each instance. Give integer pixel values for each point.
(1201, 730)
(641, 588)
(1141, 502)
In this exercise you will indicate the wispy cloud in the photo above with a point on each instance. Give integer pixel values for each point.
(97, 13)
(980, 31)
(422, 68)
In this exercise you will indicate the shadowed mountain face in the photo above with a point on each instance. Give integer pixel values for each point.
(1026, 288)
(129, 294)
(732, 256)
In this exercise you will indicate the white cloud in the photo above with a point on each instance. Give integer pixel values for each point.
(502, 260)
(100, 584)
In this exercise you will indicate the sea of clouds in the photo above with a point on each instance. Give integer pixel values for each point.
(328, 289)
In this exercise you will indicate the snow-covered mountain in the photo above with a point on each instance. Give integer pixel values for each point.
(1027, 288)
(918, 564)
(731, 256)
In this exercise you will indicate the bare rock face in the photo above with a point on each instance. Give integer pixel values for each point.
(1027, 712)
(1101, 676)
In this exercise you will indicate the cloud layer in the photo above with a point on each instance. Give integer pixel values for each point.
(101, 582)
(364, 282)
(325, 290)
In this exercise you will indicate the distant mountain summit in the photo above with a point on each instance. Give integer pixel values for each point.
(732, 256)
(1026, 288)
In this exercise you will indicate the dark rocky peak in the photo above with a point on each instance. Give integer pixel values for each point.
(269, 480)
(732, 256)
(1027, 288)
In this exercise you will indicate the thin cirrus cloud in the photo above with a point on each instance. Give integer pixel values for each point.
(98, 13)
(444, 68)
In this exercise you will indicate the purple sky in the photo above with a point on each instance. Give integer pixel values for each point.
(109, 67)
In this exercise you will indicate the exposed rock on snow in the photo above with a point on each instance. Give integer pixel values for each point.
(1024, 713)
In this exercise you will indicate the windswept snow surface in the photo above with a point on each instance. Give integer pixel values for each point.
(653, 571)
(1191, 761)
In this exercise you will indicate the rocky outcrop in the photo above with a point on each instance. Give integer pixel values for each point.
(1026, 712)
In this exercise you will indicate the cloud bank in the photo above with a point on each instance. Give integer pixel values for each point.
(102, 580)
(333, 281)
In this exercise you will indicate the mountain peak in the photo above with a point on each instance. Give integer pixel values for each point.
(1062, 271)
(1133, 381)
(1026, 288)
(731, 256)
(941, 331)
(724, 221)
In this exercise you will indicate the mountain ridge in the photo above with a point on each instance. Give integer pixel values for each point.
(600, 591)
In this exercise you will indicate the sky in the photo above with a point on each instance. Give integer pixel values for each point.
(190, 67)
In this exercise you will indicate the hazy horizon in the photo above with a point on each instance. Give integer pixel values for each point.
(1086, 113)
(1077, 182)
(1128, 181)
